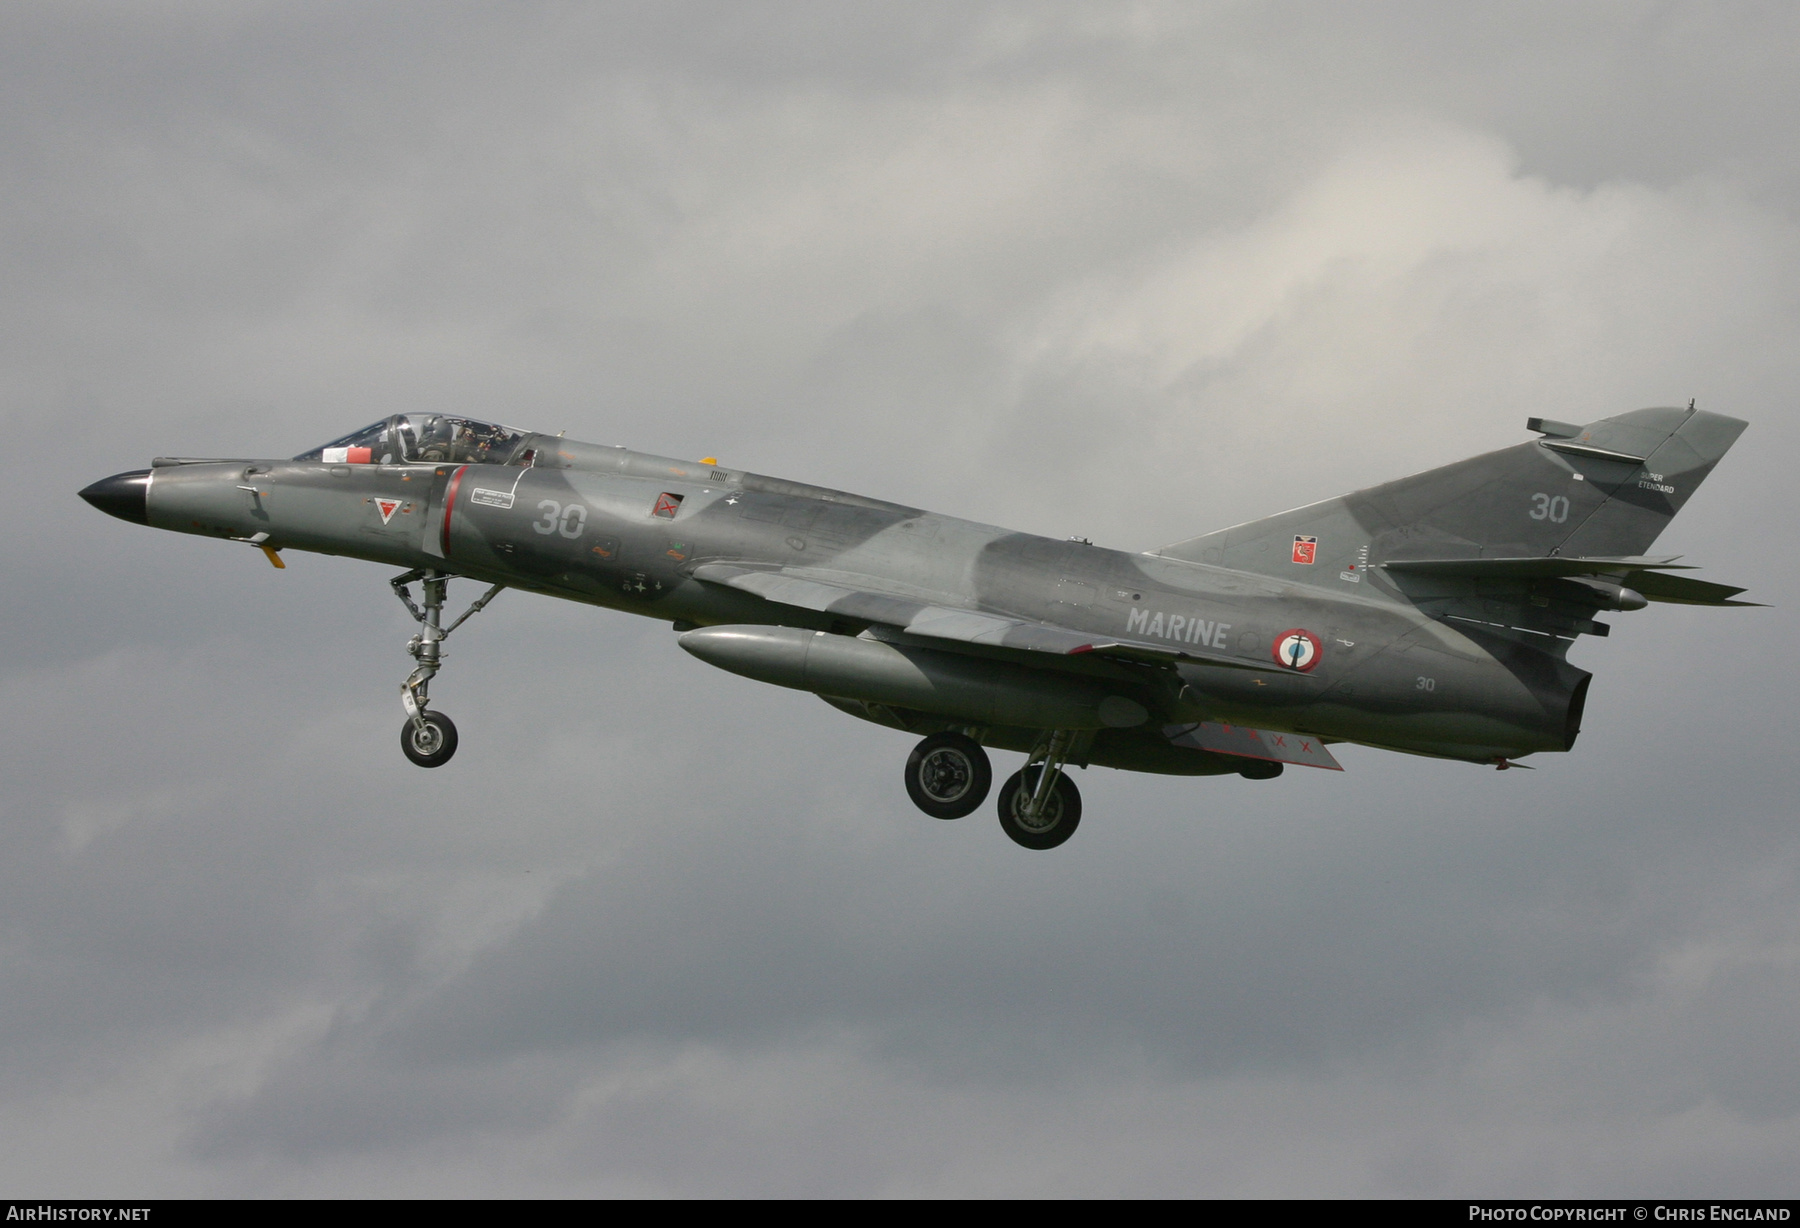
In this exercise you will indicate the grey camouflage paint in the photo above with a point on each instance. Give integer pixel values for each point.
(1430, 615)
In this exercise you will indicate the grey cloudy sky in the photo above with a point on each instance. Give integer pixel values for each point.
(1133, 271)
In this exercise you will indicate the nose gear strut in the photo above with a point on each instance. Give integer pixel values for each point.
(428, 738)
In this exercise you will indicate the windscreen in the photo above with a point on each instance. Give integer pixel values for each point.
(425, 439)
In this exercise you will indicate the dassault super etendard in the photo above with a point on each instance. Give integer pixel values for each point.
(1431, 615)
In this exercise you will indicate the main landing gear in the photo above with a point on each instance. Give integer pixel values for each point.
(428, 738)
(948, 776)
(1039, 806)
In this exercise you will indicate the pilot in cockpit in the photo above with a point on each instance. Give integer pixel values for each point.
(424, 439)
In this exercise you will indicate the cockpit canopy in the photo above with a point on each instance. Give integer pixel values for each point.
(426, 439)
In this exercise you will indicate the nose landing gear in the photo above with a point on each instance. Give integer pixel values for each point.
(428, 738)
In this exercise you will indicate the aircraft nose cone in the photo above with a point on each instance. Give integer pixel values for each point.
(124, 495)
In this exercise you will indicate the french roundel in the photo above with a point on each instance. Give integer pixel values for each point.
(1297, 649)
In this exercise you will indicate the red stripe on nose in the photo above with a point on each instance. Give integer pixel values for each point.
(449, 507)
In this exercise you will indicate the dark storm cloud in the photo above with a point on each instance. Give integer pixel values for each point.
(1128, 271)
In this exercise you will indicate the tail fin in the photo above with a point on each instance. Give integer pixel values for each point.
(1605, 489)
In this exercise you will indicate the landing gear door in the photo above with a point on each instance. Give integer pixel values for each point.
(434, 512)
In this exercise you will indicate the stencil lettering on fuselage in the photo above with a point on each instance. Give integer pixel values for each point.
(1180, 628)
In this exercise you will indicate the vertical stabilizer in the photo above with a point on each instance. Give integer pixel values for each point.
(1607, 488)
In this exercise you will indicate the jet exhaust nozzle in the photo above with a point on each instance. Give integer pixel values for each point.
(978, 689)
(125, 495)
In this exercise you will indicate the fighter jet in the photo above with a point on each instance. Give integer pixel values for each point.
(1431, 615)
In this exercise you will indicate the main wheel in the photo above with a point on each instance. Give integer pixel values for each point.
(948, 775)
(431, 746)
(1062, 811)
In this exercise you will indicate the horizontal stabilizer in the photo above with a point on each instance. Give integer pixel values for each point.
(1247, 743)
(1683, 590)
(1648, 577)
(1535, 568)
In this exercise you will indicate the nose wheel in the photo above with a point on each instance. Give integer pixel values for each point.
(428, 738)
(428, 741)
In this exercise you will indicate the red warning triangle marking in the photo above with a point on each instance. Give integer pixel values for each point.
(388, 507)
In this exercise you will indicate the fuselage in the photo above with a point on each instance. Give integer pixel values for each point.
(628, 530)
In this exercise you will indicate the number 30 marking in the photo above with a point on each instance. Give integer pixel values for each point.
(1555, 510)
(570, 521)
